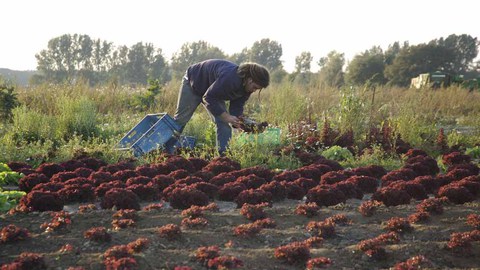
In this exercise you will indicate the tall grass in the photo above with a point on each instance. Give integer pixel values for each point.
(53, 116)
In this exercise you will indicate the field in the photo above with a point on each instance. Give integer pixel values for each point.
(345, 187)
(330, 226)
(256, 252)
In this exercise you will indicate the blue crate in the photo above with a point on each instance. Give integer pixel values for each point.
(162, 131)
(186, 142)
(136, 132)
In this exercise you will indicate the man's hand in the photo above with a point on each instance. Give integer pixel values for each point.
(228, 118)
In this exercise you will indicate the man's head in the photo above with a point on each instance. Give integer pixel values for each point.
(255, 76)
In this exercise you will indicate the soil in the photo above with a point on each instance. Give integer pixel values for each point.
(256, 252)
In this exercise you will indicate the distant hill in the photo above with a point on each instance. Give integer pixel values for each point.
(19, 77)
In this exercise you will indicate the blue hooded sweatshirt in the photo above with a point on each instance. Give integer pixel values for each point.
(215, 81)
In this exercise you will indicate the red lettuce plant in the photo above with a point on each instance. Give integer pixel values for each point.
(317, 263)
(293, 253)
(183, 198)
(399, 225)
(206, 253)
(194, 223)
(170, 232)
(121, 199)
(41, 201)
(247, 230)
(253, 196)
(28, 182)
(60, 220)
(138, 245)
(254, 212)
(26, 260)
(307, 209)
(97, 234)
(224, 262)
(12, 233)
(415, 262)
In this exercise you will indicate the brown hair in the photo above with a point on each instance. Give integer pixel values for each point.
(258, 73)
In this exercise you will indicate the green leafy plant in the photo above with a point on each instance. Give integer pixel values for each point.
(474, 152)
(337, 153)
(9, 199)
(10, 178)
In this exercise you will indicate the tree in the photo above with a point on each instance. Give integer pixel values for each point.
(267, 52)
(464, 48)
(415, 60)
(191, 53)
(65, 57)
(368, 66)
(8, 100)
(331, 69)
(240, 57)
(302, 62)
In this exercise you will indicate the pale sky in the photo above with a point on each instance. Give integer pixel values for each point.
(347, 26)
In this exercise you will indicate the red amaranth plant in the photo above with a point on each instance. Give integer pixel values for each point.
(12, 233)
(97, 234)
(293, 253)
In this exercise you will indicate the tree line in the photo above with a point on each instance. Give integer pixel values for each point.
(73, 57)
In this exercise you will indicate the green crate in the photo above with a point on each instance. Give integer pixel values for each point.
(269, 136)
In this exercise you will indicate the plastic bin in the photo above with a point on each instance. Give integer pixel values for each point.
(186, 142)
(269, 136)
(155, 137)
(135, 133)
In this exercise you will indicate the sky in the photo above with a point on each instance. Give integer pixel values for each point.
(315, 26)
